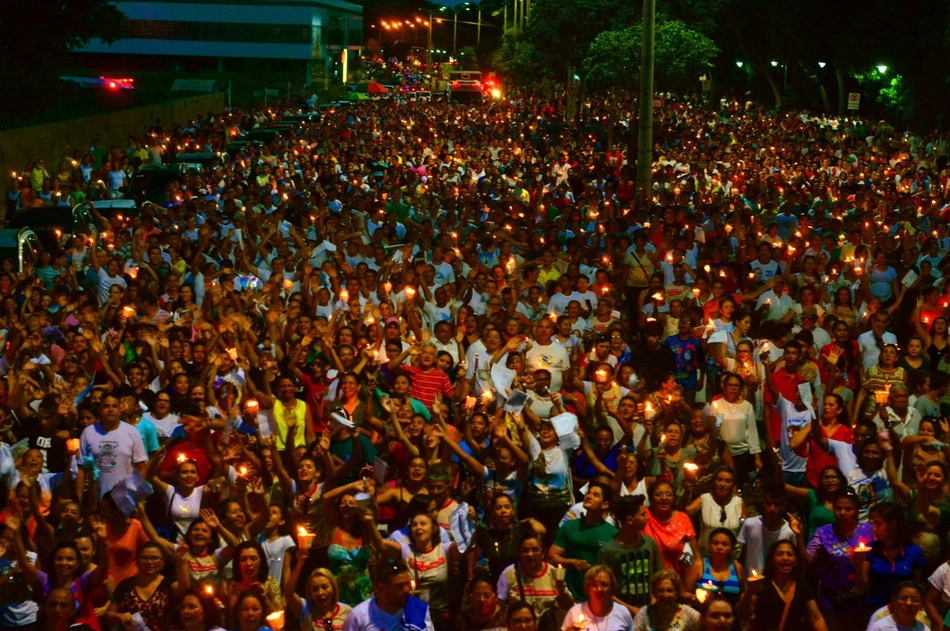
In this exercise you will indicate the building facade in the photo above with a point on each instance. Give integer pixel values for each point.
(310, 34)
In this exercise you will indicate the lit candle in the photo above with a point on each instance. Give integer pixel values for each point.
(276, 620)
(755, 576)
(252, 406)
(209, 590)
(690, 467)
(487, 396)
(242, 471)
(72, 444)
(304, 538)
(862, 547)
(182, 458)
(387, 287)
(410, 292)
(232, 353)
(288, 285)
(657, 296)
(344, 295)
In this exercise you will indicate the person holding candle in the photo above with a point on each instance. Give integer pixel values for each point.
(183, 500)
(758, 533)
(781, 600)
(735, 419)
(878, 380)
(320, 608)
(892, 557)
(599, 611)
(717, 569)
(927, 504)
(830, 551)
(665, 613)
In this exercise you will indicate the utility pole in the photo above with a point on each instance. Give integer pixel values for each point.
(479, 40)
(527, 11)
(455, 30)
(504, 23)
(645, 136)
(429, 48)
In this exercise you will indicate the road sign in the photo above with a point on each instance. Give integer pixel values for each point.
(573, 89)
(854, 100)
(271, 92)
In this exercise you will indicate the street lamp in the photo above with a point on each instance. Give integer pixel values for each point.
(774, 64)
(882, 69)
(739, 64)
(822, 64)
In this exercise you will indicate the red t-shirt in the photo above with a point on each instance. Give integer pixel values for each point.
(817, 458)
(787, 386)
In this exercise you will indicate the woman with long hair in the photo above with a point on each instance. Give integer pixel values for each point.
(720, 508)
(532, 580)
(892, 559)
(249, 570)
(496, 540)
(718, 568)
(830, 551)
(781, 600)
(321, 607)
(878, 379)
(148, 593)
(819, 501)
(250, 613)
(926, 503)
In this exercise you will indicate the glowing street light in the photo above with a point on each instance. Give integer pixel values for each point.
(882, 69)
(739, 64)
(774, 64)
(822, 64)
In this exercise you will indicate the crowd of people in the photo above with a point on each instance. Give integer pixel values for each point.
(433, 366)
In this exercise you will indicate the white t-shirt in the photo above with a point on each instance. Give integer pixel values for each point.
(115, 452)
(940, 579)
(558, 302)
(881, 620)
(367, 616)
(619, 618)
(757, 540)
(274, 551)
(164, 426)
(553, 358)
(793, 421)
(106, 282)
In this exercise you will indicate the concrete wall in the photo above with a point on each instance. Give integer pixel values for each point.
(53, 141)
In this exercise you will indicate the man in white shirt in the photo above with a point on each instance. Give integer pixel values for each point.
(871, 342)
(546, 353)
(775, 300)
(392, 608)
(115, 446)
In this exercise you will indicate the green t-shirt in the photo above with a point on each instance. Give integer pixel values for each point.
(632, 565)
(344, 451)
(818, 514)
(579, 540)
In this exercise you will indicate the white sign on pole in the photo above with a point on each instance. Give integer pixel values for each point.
(854, 100)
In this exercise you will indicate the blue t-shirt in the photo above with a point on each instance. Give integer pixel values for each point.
(688, 356)
(886, 573)
(149, 435)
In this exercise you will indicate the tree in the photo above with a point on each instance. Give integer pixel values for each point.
(561, 31)
(522, 62)
(681, 55)
(36, 38)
